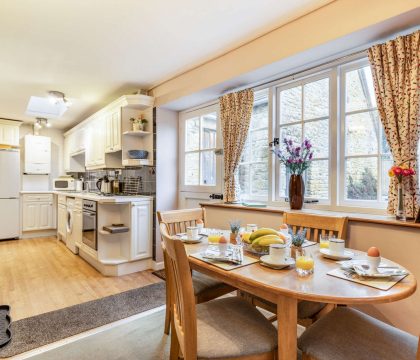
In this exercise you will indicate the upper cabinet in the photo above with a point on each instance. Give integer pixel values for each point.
(113, 130)
(37, 154)
(9, 132)
(104, 139)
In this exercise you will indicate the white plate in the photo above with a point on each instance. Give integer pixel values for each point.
(185, 240)
(381, 273)
(266, 260)
(330, 255)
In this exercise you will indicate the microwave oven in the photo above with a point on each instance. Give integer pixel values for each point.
(65, 183)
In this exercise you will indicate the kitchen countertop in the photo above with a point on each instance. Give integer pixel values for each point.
(93, 196)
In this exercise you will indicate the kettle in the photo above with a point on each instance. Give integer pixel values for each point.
(103, 185)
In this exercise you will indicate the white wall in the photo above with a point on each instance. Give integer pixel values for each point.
(166, 166)
(44, 182)
(397, 243)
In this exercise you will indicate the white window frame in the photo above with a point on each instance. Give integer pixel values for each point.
(183, 117)
(330, 74)
(342, 201)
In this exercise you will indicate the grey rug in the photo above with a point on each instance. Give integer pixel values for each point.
(141, 339)
(36, 331)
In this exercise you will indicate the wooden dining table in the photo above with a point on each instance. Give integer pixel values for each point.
(285, 288)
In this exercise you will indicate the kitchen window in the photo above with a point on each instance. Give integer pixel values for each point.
(303, 111)
(253, 166)
(200, 166)
(365, 155)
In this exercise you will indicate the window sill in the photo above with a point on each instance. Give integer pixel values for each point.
(357, 217)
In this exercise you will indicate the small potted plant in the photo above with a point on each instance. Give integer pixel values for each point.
(139, 123)
(235, 226)
(297, 241)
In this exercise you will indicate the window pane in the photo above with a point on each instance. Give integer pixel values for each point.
(316, 99)
(317, 132)
(208, 131)
(259, 145)
(191, 169)
(361, 175)
(192, 134)
(244, 182)
(384, 143)
(359, 89)
(316, 180)
(291, 131)
(259, 118)
(283, 182)
(259, 180)
(362, 131)
(386, 164)
(208, 168)
(291, 105)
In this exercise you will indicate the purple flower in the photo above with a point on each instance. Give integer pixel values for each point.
(310, 156)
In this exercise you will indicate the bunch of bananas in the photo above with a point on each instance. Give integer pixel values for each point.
(264, 237)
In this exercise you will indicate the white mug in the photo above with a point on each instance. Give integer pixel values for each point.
(192, 232)
(200, 227)
(278, 253)
(336, 246)
(373, 262)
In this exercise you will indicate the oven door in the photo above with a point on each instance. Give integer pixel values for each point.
(89, 229)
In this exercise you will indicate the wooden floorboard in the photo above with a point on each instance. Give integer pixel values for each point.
(40, 275)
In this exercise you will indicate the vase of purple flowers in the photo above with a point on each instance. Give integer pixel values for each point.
(296, 158)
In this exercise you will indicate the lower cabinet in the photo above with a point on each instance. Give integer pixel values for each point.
(62, 220)
(78, 224)
(38, 212)
(141, 229)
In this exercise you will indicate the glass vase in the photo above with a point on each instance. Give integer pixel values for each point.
(296, 192)
(401, 207)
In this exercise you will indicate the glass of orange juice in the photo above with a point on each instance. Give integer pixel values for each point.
(304, 263)
(214, 236)
(324, 241)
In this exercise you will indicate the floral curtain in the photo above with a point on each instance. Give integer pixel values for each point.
(395, 69)
(235, 116)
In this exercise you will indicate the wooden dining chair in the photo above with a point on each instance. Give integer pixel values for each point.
(225, 328)
(346, 334)
(315, 225)
(205, 287)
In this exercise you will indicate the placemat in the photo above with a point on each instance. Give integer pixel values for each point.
(381, 283)
(247, 260)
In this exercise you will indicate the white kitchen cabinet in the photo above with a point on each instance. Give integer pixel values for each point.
(113, 131)
(38, 212)
(95, 144)
(62, 221)
(9, 132)
(78, 222)
(37, 154)
(74, 147)
(141, 229)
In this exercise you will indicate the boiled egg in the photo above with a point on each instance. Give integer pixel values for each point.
(373, 252)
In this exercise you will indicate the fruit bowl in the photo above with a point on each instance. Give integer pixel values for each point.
(257, 250)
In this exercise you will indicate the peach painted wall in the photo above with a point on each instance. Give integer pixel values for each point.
(400, 244)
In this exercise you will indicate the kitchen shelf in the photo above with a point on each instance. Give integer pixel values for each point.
(137, 133)
(137, 162)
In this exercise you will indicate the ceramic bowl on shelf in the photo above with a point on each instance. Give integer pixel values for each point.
(138, 154)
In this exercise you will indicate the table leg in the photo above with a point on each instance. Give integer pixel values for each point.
(287, 328)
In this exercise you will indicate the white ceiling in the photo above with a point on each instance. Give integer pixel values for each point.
(97, 50)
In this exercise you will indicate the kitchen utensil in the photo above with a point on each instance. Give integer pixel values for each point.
(103, 185)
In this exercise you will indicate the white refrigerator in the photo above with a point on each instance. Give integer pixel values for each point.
(9, 193)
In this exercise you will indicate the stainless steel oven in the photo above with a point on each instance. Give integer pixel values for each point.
(90, 235)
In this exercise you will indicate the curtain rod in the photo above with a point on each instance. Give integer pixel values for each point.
(292, 75)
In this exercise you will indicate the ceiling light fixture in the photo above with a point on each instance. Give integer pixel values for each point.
(41, 122)
(57, 97)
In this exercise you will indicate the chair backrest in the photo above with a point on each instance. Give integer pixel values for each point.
(317, 224)
(182, 294)
(177, 221)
